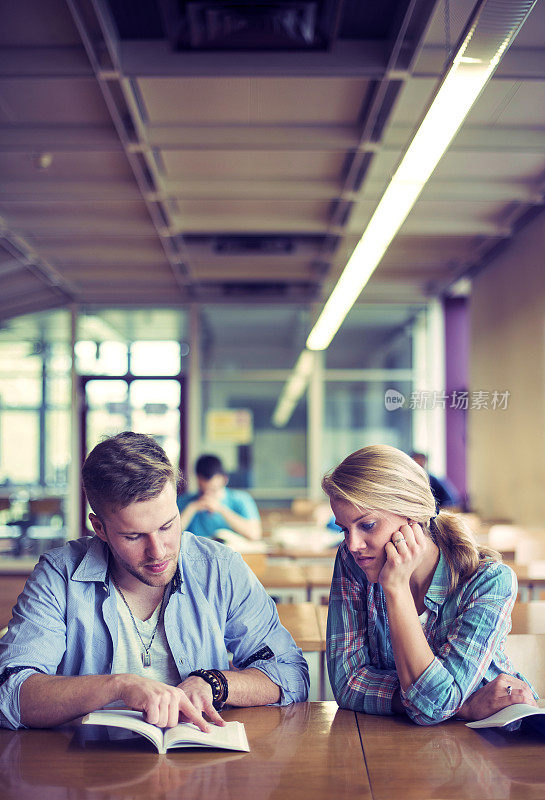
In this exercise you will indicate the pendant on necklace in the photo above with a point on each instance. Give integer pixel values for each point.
(146, 659)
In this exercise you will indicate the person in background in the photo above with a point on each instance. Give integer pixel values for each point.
(142, 614)
(446, 495)
(418, 613)
(215, 507)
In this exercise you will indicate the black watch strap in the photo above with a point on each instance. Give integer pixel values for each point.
(217, 680)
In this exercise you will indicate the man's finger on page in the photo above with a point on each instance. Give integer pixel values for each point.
(212, 714)
(193, 715)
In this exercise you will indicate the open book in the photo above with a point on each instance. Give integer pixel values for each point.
(231, 737)
(515, 713)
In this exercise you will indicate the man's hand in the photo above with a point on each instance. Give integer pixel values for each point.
(494, 696)
(402, 558)
(209, 502)
(199, 693)
(162, 704)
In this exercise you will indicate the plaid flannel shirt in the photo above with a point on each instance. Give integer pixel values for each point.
(466, 631)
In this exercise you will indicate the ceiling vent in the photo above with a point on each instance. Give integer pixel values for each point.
(250, 24)
(252, 245)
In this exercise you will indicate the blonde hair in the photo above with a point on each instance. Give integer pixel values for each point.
(383, 478)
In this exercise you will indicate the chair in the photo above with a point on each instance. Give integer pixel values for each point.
(504, 538)
(41, 509)
(256, 561)
(527, 654)
(530, 545)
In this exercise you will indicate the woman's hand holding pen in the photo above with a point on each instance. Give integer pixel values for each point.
(404, 553)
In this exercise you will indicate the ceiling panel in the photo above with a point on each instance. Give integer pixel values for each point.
(84, 166)
(52, 101)
(35, 23)
(130, 207)
(511, 103)
(258, 164)
(252, 101)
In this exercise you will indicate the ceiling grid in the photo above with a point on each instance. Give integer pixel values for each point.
(138, 173)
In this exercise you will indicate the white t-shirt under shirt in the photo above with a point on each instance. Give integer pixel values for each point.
(128, 654)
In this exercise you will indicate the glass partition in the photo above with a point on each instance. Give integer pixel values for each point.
(255, 454)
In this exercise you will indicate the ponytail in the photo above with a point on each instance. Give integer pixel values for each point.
(456, 541)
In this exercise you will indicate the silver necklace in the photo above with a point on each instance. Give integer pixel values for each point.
(145, 654)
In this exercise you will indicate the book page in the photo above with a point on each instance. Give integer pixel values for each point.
(230, 737)
(131, 720)
(506, 716)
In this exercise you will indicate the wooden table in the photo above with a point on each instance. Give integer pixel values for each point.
(321, 613)
(449, 761)
(305, 556)
(528, 617)
(301, 621)
(286, 583)
(308, 750)
(531, 579)
(318, 577)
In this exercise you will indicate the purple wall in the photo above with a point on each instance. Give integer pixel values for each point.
(457, 379)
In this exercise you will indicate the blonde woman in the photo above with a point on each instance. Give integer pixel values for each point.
(418, 613)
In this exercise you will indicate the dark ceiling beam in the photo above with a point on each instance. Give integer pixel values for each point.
(11, 265)
(98, 32)
(17, 245)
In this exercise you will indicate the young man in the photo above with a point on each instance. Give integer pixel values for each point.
(216, 507)
(142, 615)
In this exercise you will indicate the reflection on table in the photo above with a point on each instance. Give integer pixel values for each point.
(450, 761)
(305, 750)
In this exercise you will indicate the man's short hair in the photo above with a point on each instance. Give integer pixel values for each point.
(207, 466)
(126, 468)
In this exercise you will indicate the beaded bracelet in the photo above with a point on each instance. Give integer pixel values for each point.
(217, 680)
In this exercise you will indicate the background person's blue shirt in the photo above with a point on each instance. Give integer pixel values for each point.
(206, 523)
(65, 620)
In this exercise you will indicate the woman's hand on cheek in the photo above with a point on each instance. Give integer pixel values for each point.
(404, 552)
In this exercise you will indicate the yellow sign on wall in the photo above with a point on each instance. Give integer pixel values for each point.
(229, 425)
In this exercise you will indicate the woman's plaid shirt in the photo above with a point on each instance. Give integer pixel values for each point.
(466, 631)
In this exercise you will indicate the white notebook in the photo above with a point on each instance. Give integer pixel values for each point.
(510, 714)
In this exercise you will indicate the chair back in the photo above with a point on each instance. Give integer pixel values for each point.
(256, 561)
(527, 654)
(530, 546)
(504, 538)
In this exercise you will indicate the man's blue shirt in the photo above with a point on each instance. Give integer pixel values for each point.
(65, 620)
(206, 523)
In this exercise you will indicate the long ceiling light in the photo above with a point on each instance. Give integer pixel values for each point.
(493, 27)
(293, 389)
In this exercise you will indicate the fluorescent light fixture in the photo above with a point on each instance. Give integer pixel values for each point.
(293, 389)
(461, 86)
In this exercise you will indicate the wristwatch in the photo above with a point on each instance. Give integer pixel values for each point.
(217, 680)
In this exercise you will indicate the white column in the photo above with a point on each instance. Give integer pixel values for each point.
(315, 427)
(429, 418)
(74, 473)
(194, 394)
